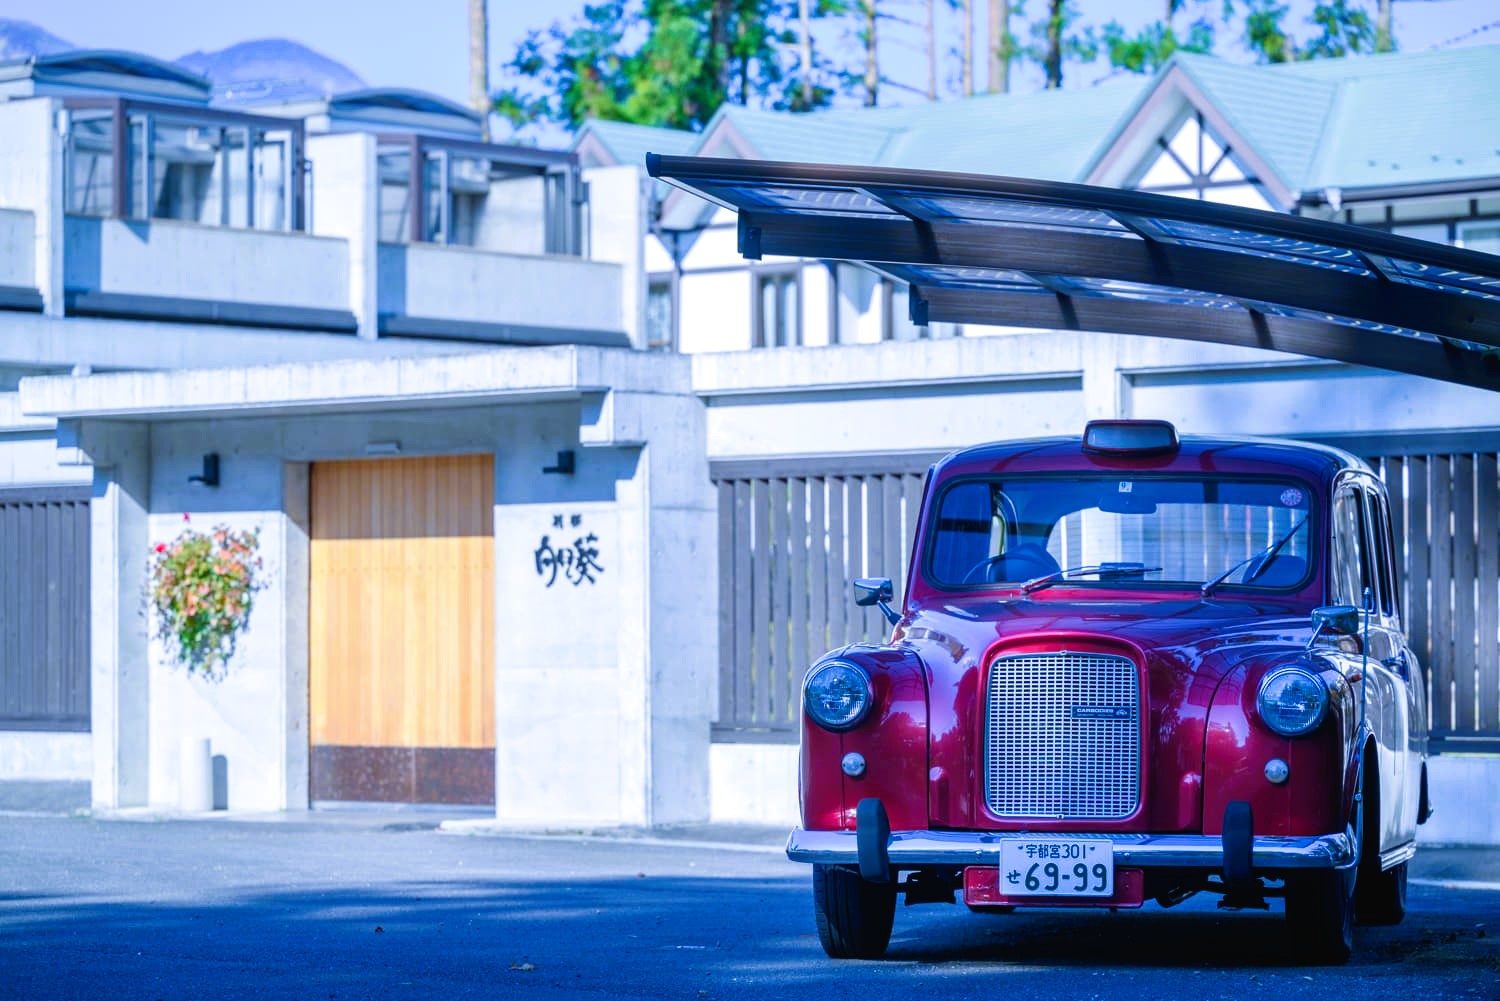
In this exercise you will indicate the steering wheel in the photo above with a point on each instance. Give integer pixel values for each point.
(983, 565)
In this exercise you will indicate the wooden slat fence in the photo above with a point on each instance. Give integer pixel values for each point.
(1444, 507)
(791, 536)
(794, 532)
(44, 609)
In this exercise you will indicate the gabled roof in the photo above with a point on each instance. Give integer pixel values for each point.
(1398, 118)
(624, 143)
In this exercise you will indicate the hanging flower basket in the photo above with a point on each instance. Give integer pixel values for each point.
(202, 586)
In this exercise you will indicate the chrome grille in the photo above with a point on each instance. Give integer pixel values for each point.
(1063, 736)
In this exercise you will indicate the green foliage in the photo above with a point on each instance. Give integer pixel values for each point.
(1150, 48)
(658, 62)
(1342, 29)
(1057, 39)
(202, 588)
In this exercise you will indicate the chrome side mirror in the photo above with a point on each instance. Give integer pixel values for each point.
(1338, 620)
(1342, 620)
(876, 591)
(872, 590)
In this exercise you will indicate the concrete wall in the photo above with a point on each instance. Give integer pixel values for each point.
(458, 283)
(604, 690)
(17, 248)
(345, 204)
(190, 261)
(31, 180)
(754, 784)
(1465, 790)
(36, 756)
(618, 219)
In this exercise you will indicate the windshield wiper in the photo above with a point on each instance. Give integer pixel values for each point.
(1266, 555)
(1106, 571)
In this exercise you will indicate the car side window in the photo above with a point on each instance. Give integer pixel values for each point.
(1381, 545)
(1349, 571)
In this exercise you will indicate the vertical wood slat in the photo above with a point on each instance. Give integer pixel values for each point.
(727, 595)
(1464, 662)
(875, 559)
(742, 586)
(895, 546)
(1487, 576)
(817, 571)
(1394, 474)
(838, 572)
(1418, 554)
(797, 597)
(1440, 468)
(778, 662)
(760, 609)
(854, 621)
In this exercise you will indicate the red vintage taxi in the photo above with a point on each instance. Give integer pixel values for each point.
(1129, 667)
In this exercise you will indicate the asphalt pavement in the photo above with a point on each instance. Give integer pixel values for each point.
(370, 904)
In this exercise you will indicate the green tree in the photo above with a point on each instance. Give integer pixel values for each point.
(1148, 49)
(1341, 29)
(649, 62)
(1058, 39)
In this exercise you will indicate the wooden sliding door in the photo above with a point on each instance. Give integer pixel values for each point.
(401, 630)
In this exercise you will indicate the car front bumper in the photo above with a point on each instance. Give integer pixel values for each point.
(915, 849)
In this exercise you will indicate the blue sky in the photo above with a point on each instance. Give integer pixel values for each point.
(424, 45)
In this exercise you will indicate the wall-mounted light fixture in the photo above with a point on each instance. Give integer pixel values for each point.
(210, 475)
(383, 448)
(565, 463)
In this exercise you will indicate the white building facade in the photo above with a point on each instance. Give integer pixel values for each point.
(432, 367)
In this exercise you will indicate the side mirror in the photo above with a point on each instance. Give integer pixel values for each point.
(876, 591)
(872, 591)
(1340, 619)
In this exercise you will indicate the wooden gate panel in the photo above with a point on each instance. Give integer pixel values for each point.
(401, 626)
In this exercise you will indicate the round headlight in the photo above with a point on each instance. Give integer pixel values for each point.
(1292, 701)
(837, 695)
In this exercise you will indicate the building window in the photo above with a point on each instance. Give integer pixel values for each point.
(505, 199)
(778, 309)
(202, 166)
(1481, 234)
(660, 314)
(1193, 163)
(91, 164)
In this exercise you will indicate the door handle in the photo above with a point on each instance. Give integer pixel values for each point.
(1396, 663)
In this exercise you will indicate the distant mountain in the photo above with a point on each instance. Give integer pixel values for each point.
(22, 39)
(271, 70)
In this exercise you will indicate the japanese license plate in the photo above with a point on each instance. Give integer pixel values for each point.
(1057, 867)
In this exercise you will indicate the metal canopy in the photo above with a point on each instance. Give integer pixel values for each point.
(1025, 253)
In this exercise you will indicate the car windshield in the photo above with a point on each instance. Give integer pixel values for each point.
(1115, 531)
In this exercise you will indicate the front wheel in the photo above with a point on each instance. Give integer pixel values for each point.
(854, 915)
(1320, 915)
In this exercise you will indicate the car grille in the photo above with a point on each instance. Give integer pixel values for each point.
(1063, 736)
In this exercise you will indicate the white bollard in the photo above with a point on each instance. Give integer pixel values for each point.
(195, 784)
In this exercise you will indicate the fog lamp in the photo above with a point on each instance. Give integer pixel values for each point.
(853, 764)
(1277, 771)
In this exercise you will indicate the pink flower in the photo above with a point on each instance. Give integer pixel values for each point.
(186, 516)
(161, 547)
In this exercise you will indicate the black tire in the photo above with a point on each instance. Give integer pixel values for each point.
(1320, 915)
(1382, 896)
(854, 915)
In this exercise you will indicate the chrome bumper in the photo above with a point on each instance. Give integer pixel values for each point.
(910, 849)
